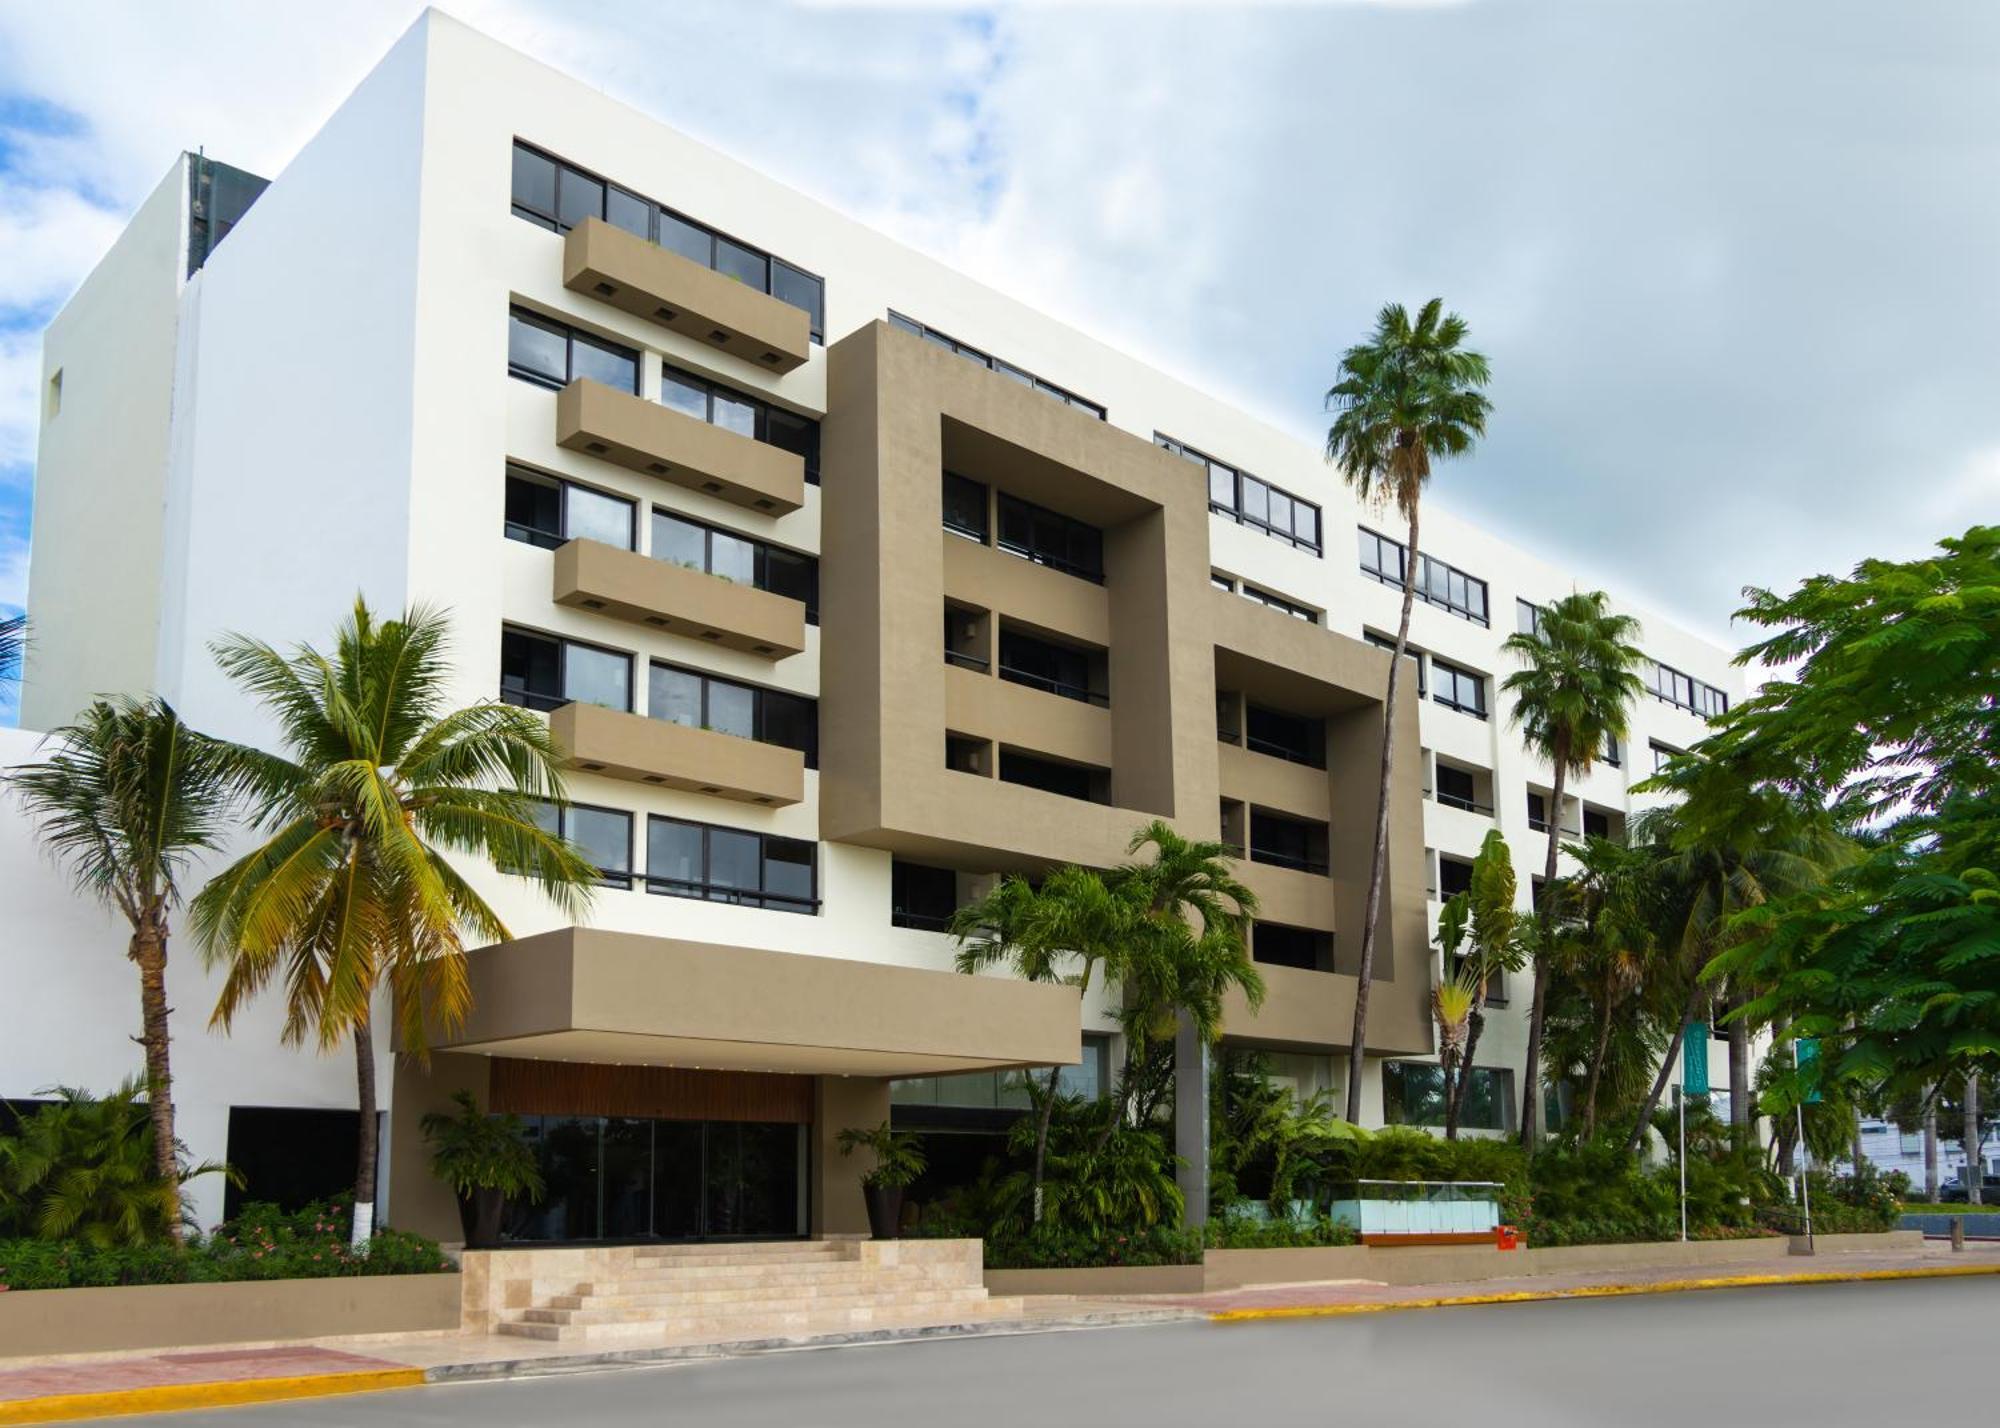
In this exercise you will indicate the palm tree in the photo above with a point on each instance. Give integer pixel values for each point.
(13, 645)
(1730, 845)
(1406, 397)
(1489, 925)
(1063, 931)
(1611, 943)
(350, 890)
(1578, 680)
(127, 803)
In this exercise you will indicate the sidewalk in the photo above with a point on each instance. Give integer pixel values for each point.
(54, 1390)
(1933, 1261)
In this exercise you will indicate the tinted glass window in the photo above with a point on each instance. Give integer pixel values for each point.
(604, 835)
(795, 575)
(732, 557)
(578, 197)
(800, 435)
(684, 394)
(628, 211)
(675, 696)
(964, 506)
(684, 238)
(534, 182)
(673, 851)
(788, 868)
(534, 509)
(801, 290)
(734, 859)
(594, 516)
(601, 362)
(736, 261)
(679, 542)
(791, 721)
(594, 676)
(537, 349)
(732, 413)
(530, 670)
(1222, 486)
(732, 709)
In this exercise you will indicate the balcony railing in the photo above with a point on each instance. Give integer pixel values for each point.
(1055, 686)
(977, 663)
(740, 897)
(1452, 800)
(1287, 860)
(921, 921)
(531, 699)
(1285, 751)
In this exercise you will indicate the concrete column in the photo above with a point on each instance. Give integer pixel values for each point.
(841, 1102)
(418, 1200)
(1191, 1070)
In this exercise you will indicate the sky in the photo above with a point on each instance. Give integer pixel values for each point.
(1737, 266)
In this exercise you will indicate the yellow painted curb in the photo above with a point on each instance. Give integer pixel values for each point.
(224, 1393)
(1601, 1291)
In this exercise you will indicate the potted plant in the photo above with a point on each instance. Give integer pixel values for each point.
(485, 1160)
(899, 1159)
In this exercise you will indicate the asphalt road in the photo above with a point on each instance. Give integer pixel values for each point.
(1886, 1353)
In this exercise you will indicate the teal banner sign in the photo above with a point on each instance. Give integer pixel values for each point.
(1694, 1059)
(1807, 1050)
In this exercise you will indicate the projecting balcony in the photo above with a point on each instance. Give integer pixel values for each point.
(649, 281)
(654, 440)
(631, 746)
(590, 575)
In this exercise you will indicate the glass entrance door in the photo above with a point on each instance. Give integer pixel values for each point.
(626, 1178)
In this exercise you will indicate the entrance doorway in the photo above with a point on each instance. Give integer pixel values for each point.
(631, 1178)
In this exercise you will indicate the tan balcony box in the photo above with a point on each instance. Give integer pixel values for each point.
(649, 281)
(631, 746)
(590, 575)
(657, 441)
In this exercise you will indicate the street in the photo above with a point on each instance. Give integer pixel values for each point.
(1822, 1354)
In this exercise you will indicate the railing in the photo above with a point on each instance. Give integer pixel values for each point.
(532, 699)
(921, 921)
(978, 663)
(1282, 751)
(534, 535)
(969, 532)
(1285, 860)
(1053, 562)
(740, 897)
(1452, 800)
(1054, 686)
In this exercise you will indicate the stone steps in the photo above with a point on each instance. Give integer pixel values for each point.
(743, 1291)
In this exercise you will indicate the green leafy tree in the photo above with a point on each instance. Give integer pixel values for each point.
(1574, 691)
(128, 801)
(1408, 396)
(1477, 941)
(85, 1168)
(351, 891)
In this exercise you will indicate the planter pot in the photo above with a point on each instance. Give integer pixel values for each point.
(479, 1215)
(885, 1210)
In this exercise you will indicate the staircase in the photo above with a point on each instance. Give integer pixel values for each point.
(724, 1292)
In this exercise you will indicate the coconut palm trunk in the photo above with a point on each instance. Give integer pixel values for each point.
(149, 954)
(1930, 1145)
(1531, 1096)
(1357, 1049)
(368, 1143)
(1741, 1127)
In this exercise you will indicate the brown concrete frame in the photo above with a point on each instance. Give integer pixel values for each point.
(657, 441)
(626, 585)
(639, 276)
(900, 412)
(670, 755)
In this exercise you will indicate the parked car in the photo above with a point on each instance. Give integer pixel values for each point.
(1953, 1192)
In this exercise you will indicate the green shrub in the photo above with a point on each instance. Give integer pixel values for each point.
(1052, 1248)
(1238, 1232)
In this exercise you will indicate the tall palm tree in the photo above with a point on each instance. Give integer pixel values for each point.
(1574, 691)
(127, 803)
(350, 891)
(1406, 397)
(1490, 931)
(13, 645)
(1610, 908)
(1066, 931)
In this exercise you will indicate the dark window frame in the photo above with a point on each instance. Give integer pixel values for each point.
(1466, 802)
(529, 699)
(760, 409)
(553, 221)
(621, 878)
(1088, 772)
(1236, 511)
(1498, 1093)
(760, 695)
(901, 871)
(994, 364)
(1314, 729)
(763, 550)
(550, 540)
(1083, 693)
(1699, 698)
(706, 890)
(1425, 564)
(984, 534)
(1453, 676)
(1031, 552)
(569, 332)
(1413, 653)
(1274, 858)
(1257, 596)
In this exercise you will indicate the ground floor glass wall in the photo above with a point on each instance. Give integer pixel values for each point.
(628, 1178)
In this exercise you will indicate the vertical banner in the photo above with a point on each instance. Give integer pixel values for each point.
(1694, 1059)
(1808, 1064)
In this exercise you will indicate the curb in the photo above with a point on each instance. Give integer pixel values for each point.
(225, 1393)
(1601, 1291)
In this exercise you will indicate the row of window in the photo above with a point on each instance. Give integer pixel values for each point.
(1251, 501)
(553, 354)
(1456, 787)
(1262, 597)
(557, 195)
(548, 511)
(1685, 691)
(1025, 529)
(1297, 738)
(540, 671)
(697, 860)
(1385, 560)
(1439, 680)
(992, 363)
(1413, 1095)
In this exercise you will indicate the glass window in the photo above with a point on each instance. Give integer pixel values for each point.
(578, 197)
(628, 211)
(965, 506)
(605, 836)
(788, 431)
(746, 265)
(601, 362)
(732, 413)
(1305, 523)
(735, 859)
(530, 670)
(684, 238)
(732, 557)
(537, 349)
(732, 709)
(674, 695)
(684, 394)
(789, 573)
(1012, 373)
(595, 676)
(1256, 499)
(534, 509)
(591, 515)
(1049, 538)
(788, 869)
(534, 185)
(802, 290)
(679, 542)
(1222, 487)
(673, 852)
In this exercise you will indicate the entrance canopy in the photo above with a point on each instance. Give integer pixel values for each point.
(585, 994)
